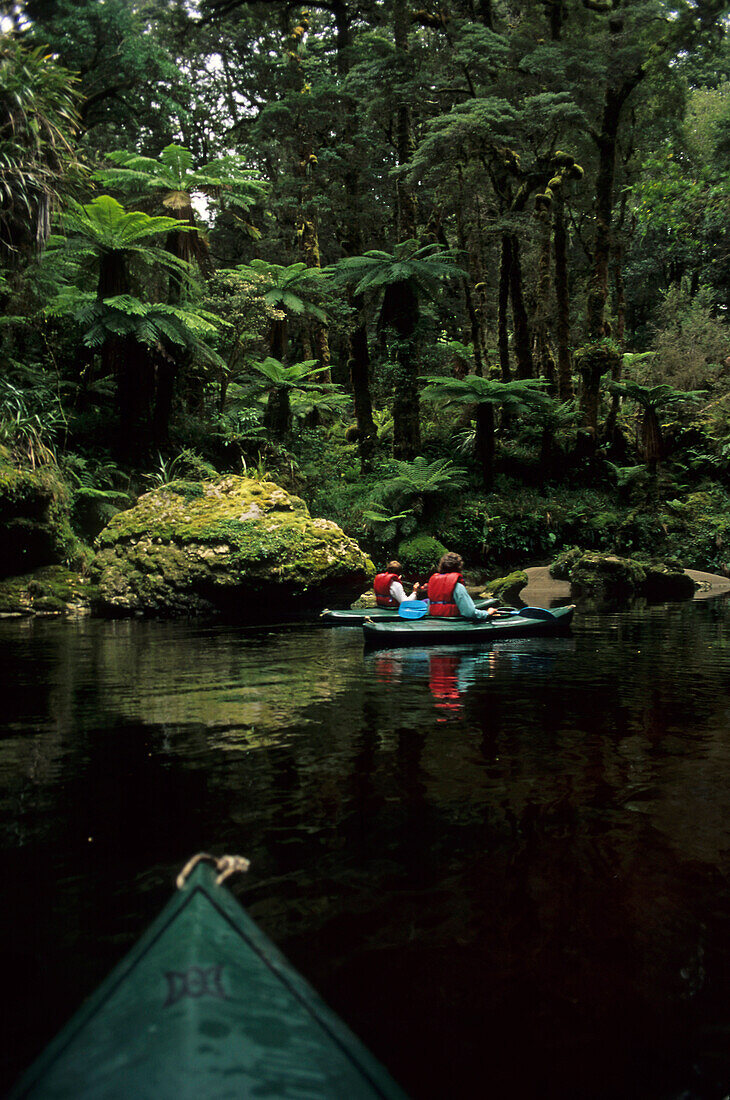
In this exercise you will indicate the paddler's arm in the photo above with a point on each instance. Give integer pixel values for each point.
(398, 593)
(466, 607)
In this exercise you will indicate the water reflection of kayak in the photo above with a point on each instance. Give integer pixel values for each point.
(527, 623)
(205, 1006)
(379, 614)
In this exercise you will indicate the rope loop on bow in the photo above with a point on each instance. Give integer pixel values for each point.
(224, 865)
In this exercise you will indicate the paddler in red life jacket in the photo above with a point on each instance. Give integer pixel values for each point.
(389, 590)
(448, 598)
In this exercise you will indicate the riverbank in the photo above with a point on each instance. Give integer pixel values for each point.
(544, 590)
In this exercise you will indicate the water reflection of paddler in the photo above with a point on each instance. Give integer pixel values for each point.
(388, 668)
(443, 682)
(447, 595)
(388, 585)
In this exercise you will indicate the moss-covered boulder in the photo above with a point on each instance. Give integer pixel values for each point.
(235, 546)
(607, 575)
(34, 518)
(508, 588)
(51, 590)
(421, 554)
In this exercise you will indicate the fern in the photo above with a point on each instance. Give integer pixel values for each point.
(423, 478)
(173, 173)
(424, 267)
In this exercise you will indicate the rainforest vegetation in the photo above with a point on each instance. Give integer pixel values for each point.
(455, 272)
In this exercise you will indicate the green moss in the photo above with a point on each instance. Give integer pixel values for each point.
(560, 568)
(53, 588)
(176, 550)
(509, 587)
(598, 575)
(34, 519)
(421, 553)
(189, 490)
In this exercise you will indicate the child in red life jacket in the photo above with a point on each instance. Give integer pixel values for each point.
(389, 591)
(448, 598)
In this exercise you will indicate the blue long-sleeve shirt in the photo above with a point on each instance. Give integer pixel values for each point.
(465, 604)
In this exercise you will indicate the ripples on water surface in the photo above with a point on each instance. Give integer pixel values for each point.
(507, 870)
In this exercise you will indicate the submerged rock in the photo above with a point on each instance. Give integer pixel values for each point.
(592, 574)
(235, 546)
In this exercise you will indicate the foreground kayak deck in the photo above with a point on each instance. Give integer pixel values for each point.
(460, 632)
(379, 614)
(205, 1007)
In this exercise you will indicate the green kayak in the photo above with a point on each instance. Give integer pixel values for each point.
(528, 623)
(205, 1007)
(379, 614)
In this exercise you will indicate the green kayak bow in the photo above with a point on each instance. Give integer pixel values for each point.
(205, 1007)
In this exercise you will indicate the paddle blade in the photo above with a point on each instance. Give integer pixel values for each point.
(413, 609)
(535, 613)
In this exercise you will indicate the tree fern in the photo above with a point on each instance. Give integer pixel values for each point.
(485, 394)
(424, 267)
(173, 173)
(424, 478)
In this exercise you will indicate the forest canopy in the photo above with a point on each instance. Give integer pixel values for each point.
(324, 242)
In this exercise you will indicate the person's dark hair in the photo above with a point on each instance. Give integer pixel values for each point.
(451, 563)
(394, 567)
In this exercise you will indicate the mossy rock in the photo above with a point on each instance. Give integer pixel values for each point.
(34, 519)
(667, 581)
(53, 589)
(507, 588)
(235, 546)
(365, 601)
(607, 575)
(561, 567)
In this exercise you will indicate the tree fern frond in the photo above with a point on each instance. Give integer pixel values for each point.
(126, 304)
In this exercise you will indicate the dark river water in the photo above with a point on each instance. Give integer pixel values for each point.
(508, 870)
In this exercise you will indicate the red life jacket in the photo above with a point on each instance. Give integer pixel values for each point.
(382, 584)
(441, 594)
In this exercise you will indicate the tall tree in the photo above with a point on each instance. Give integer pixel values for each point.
(405, 277)
(123, 52)
(103, 243)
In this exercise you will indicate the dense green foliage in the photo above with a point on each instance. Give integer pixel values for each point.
(455, 273)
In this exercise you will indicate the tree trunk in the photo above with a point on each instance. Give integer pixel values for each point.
(523, 350)
(618, 282)
(165, 368)
(128, 362)
(484, 442)
(360, 382)
(278, 339)
(277, 416)
(405, 143)
(400, 302)
(406, 408)
(304, 168)
(133, 370)
(562, 297)
(475, 326)
(607, 142)
(399, 312)
(651, 440)
(503, 305)
(359, 359)
(545, 360)
(486, 14)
